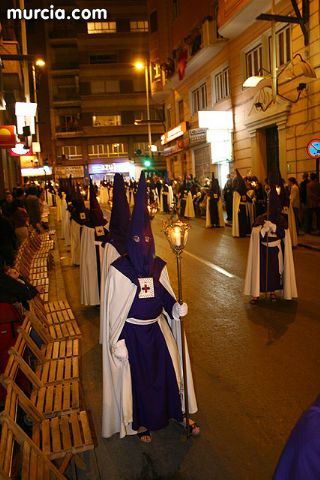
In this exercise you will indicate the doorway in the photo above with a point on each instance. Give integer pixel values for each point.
(272, 149)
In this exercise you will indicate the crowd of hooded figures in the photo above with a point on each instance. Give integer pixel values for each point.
(143, 384)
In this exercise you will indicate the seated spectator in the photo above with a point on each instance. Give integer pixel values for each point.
(14, 288)
(6, 204)
(18, 216)
(8, 241)
(33, 208)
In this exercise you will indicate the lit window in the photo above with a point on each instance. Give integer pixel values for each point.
(221, 85)
(101, 27)
(106, 120)
(199, 98)
(71, 152)
(283, 46)
(105, 86)
(254, 61)
(139, 26)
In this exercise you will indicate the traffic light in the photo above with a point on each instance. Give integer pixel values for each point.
(147, 162)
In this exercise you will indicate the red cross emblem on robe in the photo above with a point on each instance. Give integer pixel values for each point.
(146, 287)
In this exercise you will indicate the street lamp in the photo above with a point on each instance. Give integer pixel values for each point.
(39, 63)
(176, 232)
(144, 66)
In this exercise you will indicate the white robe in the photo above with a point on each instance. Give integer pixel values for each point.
(235, 216)
(110, 254)
(292, 225)
(89, 284)
(252, 278)
(65, 221)
(189, 210)
(117, 413)
(58, 208)
(104, 197)
(75, 229)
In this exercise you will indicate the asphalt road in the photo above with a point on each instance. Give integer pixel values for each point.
(255, 368)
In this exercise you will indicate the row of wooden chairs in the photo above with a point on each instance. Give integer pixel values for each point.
(46, 356)
(60, 429)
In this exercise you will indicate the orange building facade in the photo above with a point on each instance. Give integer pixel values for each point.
(200, 57)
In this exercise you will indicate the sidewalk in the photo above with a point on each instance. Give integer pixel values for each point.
(309, 241)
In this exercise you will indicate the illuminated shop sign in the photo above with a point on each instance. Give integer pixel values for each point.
(174, 133)
(65, 172)
(7, 136)
(109, 167)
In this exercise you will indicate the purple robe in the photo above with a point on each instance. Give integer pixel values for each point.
(300, 459)
(155, 390)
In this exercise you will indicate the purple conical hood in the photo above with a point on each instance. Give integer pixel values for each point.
(120, 215)
(141, 248)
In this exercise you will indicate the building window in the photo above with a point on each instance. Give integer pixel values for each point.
(105, 86)
(254, 61)
(68, 123)
(199, 98)
(139, 26)
(221, 85)
(283, 46)
(106, 120)
(71, 152)
(154, 21)
(156, 71)
(140, 147)
(101, 59)
(175, 8)
(168, 118)
(106, 151)
(97, 150)
(180, 111)
(101, 27)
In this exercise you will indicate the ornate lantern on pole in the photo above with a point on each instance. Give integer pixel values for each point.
(152, 209)
(176, 232)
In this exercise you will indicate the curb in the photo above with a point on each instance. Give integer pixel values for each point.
(310, 247)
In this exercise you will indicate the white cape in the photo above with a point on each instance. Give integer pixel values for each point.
(75, 229)
(189, 210)
(58, 208)
(65, 221)
(252, 278)
(110, 254)
(117, 390)
(89, 285)
(235, 216)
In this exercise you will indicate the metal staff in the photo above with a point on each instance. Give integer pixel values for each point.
(267, 252)
(177, 233)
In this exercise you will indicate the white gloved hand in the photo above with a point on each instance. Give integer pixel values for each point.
(273, 227)
(119, 351)
(179, 310)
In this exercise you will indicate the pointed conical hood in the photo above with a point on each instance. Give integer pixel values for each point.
(96, 216)
(120, 215)
(141, 248)
(239, 184)
(215, 188)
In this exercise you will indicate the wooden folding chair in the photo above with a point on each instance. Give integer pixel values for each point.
(56, 361)
(49, 399)
(20, 457)
(61, 324)
(58, 437)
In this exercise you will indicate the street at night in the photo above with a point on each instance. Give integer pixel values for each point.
(159, 180)
(255, 367)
